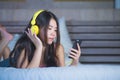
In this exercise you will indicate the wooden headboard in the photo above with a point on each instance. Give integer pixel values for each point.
(100, 39)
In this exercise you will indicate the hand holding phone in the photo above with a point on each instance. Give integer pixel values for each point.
(75, 45)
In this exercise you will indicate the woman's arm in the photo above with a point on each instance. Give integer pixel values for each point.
(60, 56)
(35, 62)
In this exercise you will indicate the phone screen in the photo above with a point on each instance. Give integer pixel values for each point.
(75, 44)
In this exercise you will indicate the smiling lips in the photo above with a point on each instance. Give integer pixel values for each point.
(51, 39)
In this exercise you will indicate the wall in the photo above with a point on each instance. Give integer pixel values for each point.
(51, 4)
(82, 11)
(69, 14)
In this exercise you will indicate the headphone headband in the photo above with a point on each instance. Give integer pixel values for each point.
(35, 16)
(35, 28)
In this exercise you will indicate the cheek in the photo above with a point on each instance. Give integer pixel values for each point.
(55, 34)
(48, 33)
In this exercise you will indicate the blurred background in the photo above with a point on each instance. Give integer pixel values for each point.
(82, 10)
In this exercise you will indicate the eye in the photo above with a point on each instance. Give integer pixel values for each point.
(56, 30)
(49, 28)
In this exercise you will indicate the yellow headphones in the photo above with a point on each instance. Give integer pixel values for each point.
(34, 28)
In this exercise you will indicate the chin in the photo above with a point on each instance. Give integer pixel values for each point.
(50, 43)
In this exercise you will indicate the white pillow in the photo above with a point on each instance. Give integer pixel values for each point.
(65, 39)
(64, 35)
(13, 41)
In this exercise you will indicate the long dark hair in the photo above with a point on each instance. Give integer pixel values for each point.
(24, 43)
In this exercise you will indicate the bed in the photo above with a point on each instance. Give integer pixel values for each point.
(81, 72)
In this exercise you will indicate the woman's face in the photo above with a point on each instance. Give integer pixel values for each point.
(51, 31)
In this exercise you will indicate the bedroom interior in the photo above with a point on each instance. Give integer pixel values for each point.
(98, 27)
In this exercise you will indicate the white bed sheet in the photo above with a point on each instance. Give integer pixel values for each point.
(81, 72)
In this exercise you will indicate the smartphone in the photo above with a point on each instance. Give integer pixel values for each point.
(75, 44)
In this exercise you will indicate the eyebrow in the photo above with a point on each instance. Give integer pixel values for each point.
(52, 26)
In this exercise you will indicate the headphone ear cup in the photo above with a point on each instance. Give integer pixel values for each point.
(35, 29)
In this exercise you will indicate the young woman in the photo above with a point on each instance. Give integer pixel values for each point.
(40, 45)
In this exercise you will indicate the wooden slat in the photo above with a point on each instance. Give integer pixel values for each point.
(100, 44)
(94, 29)
(95, 36)
(92, 23)
(82, 0)
(14, 30)
(15, 27)
(100, 51)
(100, 59)
(12, 0)
(14, 23)
(70, 23)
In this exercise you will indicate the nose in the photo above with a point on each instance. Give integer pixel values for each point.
(53, 33)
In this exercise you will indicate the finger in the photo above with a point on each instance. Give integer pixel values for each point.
(35, 36)
(30, 31)
(72, 53)
(78, 46)
(73, 57)
(79, 49)
(74, 50)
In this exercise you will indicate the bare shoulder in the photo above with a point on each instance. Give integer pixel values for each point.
(60, 47)
(60, 55)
